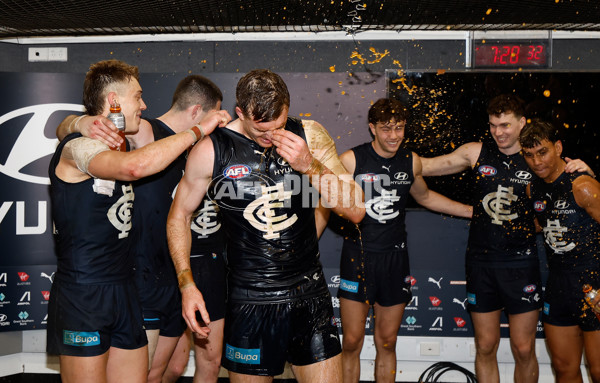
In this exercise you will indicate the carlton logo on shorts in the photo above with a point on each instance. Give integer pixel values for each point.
(242, 355)
(81, 338)
(351, 287)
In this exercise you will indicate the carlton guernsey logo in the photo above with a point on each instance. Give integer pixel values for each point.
(237, 171)
(539, 206)
(487, 170)
(369, 177)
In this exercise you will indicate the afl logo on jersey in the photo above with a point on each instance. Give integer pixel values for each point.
(487, 170)
(522, 174)
(401, 176)
(539, 206)
(237, 171)
(370, 177)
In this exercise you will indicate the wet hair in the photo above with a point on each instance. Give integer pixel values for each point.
(536, 131)
(262, 95)
(387, 109)
(102, 78)
(194, 90)
(506, 103)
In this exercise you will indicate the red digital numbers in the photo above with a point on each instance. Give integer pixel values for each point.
(510, 55)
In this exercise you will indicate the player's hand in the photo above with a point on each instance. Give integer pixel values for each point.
(293, 149)
(213, 119)
(578, 166)
(100, 128)
(192, 302)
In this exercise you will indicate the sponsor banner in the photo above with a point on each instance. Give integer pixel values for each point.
(24, 295)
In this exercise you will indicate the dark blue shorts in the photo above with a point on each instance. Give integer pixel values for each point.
(564, 303)
(209, 276)
(375, 277)
(86, 320)
(259, 339)
(517, 290)
(162, 310)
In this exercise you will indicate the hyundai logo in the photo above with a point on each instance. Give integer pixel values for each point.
(522, 174)
(401, 176)
(335, 279)
(561, 204)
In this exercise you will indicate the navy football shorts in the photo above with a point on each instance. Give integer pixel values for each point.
(375, 277)
(162, 310)
(564, 303)
(517, 290)
(259, 339)
(209, 276)
(86, 320)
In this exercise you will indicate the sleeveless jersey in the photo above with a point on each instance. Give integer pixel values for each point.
(93, 228)
(267, 217)
(502, 231)
(571, 235)
(154, 195)
(386, 183)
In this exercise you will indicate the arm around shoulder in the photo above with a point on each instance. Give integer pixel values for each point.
(586, 191)
(459, 160)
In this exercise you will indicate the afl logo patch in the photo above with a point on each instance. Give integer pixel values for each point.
(539, 206)
(237, 171)
(522, 174)
(370, 177)
(401, 176)
(487, 170)
(529, 288)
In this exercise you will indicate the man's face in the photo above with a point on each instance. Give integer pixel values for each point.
(505, 129)
(262, 132)
(388, 136)
(544, 159)
(132, 105)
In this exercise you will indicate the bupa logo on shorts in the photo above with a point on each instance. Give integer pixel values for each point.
(349, 286)
(370, 177)
(546, 308)
(242, 355)
(81, 338)
(487, 170)
(237, 171)
(529, 288)
(523, 175)
(539, 206)
(471, 298)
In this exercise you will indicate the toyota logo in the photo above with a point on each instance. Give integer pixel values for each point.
(522, 174)
(401, 176)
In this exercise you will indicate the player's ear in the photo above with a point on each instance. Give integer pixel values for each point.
(558, 147)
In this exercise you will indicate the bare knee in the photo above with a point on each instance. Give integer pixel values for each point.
(176, 368)
(487, 346)
(386, 343)
(523, 351)
(565, 369)
(352, 343)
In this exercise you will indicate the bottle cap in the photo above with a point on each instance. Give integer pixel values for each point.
(115, 107)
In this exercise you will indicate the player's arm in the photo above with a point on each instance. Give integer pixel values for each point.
(586, 191)
(154, 157)
(432, 200)
(96, 127)
(318, 159)
(190, 192)
(461, 159)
